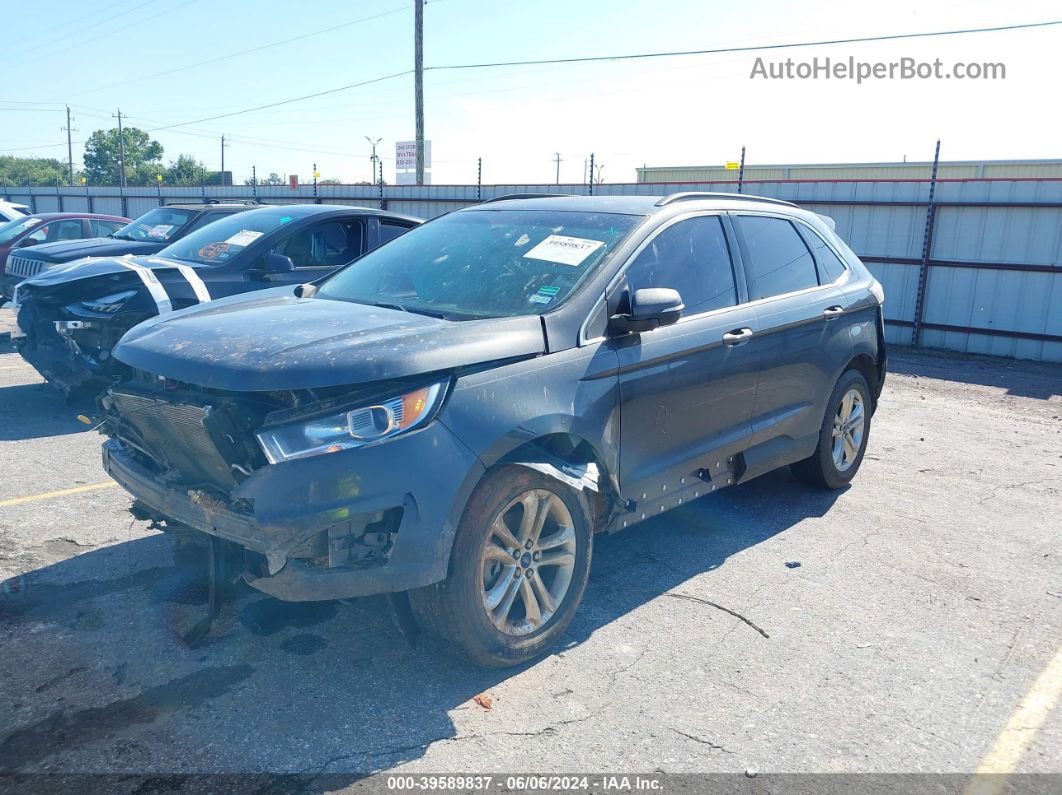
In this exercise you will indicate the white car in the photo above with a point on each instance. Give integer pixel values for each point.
(12, 212)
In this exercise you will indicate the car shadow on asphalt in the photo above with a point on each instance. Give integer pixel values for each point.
(338, 677)
(34, 411)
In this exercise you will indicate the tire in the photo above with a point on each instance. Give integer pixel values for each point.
(822, 469)
(481, 567)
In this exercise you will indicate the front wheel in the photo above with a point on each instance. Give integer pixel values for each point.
(843, 436)
(519, 567)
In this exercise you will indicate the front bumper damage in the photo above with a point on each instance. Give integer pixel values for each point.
(71, 354)
(377, 519)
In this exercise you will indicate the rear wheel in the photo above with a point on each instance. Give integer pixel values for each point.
(843, 436)
(519, 567)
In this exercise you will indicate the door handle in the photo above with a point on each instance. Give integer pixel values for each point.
(737, 336)
(833, 311)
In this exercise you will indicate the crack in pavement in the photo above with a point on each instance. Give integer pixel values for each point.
(718, 606)
(701, 740)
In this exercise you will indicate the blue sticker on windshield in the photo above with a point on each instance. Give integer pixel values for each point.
(548, 290)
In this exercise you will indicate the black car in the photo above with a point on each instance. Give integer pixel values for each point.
(456, 414)
(71, 316)
(148, 234)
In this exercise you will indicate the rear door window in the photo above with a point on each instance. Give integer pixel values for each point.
(389, 230)
(329, 244)
(103, 228)
(692, 257)
(780, 261)
(830, 266)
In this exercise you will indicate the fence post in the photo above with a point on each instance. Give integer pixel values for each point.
(254, 183)
(383, 201)
(58, 195)
(927, 247)
(591, 191)
(479, 179)
(741, 171)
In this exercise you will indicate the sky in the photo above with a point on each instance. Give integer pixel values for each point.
(692, 110)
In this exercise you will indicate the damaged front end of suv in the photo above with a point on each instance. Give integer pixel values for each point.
(70, 319)
(250, 468)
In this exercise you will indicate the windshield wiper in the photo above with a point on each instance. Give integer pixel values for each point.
(411, 309)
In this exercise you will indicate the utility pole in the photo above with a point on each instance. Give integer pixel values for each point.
(372, 157)
(418, 84)
(223, 145)
(121, 150)
(558, 161)
(69, 146)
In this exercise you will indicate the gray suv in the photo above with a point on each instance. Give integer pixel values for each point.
(450, 418)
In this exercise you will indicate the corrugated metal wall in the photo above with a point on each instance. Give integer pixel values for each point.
(1000, 169)
(993, 273)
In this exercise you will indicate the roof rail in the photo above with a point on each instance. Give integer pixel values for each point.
(693, 194)
(509, 196)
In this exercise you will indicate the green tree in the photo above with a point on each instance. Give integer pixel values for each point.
(185, 170)
(142, 157)
(273, 179)
(32, 170)
(329, 181)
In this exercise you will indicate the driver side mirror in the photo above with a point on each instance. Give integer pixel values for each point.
(651, 307)
(272, 263)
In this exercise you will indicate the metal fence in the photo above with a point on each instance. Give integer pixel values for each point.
(977, 269)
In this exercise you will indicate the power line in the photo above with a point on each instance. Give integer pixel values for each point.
(50, 30)
(751, 48)
(243, 52)
(81, 31)
(862, 39)
(111, 32)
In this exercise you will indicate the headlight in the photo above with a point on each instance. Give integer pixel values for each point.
(107, 305)
(381, 420)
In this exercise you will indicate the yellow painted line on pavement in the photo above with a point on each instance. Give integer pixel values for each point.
(60, 493)
(1003, 757)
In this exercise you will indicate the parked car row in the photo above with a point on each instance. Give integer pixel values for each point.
(12, 211)
(450, 418)
(72, 316)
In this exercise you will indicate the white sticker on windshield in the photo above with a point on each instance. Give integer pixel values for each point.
(565, 250)
(160, 230)
(244, 237)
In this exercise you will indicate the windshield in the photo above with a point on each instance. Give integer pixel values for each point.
(222, 240)
(483, 263)
(159, 225)
(13, 229)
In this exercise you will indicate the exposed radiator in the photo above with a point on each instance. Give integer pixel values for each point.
(177, 435)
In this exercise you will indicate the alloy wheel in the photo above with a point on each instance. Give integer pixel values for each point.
(848, 426)
(528, 562)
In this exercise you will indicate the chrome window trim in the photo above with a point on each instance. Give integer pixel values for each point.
(584, 340)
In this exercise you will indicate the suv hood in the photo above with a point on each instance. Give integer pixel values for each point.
(276, 341)
(92, 267)
(68, 250)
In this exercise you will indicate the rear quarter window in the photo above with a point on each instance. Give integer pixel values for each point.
(780, 260)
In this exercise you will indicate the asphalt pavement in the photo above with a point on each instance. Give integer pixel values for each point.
(892, 627)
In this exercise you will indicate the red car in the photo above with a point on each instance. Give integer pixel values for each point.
(50, 227)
